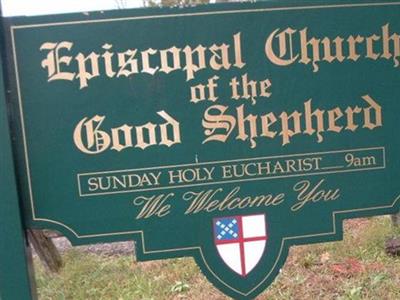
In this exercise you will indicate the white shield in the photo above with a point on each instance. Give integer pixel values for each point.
(240, 241)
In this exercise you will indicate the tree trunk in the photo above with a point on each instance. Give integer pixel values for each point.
(392, 246)
(396, 219)
(46, 250)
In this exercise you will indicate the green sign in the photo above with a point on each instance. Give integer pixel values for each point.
(14, 266)
(227, 133)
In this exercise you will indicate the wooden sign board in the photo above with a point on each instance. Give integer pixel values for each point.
(227, 133)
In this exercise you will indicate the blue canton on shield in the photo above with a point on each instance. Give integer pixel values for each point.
(240, 241)
(226, 229)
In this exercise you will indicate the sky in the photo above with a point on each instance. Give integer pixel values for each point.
(39, 7)
(42, 7)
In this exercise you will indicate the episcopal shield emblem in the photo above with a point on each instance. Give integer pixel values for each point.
(241, 241)
(227, 133)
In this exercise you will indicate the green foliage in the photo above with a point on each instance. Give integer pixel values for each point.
(179, 287)
(354, 269)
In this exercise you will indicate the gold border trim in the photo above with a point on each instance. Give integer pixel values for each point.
(199, 249)
(323, 170)
(16, 68)
(12, 28)
(222, 12)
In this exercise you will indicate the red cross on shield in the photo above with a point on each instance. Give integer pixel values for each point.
(241, 241)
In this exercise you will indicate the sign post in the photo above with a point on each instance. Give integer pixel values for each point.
(227, 133)
(16, 280)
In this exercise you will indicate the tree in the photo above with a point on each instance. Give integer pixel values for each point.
(152, 3)
(183, 2)
(396, 219)
(121, 3)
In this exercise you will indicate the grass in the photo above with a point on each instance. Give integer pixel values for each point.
(354, 269)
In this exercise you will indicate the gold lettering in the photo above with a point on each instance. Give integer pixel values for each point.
(54, 61)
